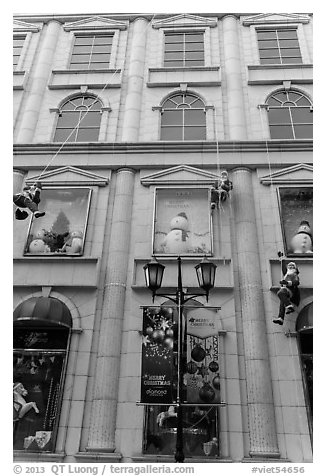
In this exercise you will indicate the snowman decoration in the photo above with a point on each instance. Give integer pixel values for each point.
(302, 240)
(177, 240)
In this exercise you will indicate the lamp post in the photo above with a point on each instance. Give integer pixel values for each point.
(153, 277)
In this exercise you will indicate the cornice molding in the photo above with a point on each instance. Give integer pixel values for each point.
(96, 23)
(69, 176)
(184, 20)
(24, 27)
(296, 174)
(277, 18)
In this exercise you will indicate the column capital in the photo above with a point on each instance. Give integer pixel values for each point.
(241, 168)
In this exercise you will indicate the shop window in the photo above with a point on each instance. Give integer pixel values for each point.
(183, 117)
(18, 43)
(79, 120)
(91, 52)
(62, 230)
(40, 353)
(201, 380)
(182, 224)
(290, 116)
(184, 49)
(296, 208)
(279, 46)
(304, 328)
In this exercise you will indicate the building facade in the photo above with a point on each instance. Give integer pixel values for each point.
(128, 121)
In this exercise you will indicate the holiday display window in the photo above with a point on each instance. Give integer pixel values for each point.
(62, 230)
(38, 368)
(296, 210)
(182, 224)
(200, 376)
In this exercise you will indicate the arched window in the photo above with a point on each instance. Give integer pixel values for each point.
(42, 330)
(290, 115)
(183, 118)
(79, 120)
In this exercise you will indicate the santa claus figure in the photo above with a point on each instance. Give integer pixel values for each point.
(288, 294)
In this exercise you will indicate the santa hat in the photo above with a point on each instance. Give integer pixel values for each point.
(293, 264)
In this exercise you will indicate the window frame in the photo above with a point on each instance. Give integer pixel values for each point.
(286, 247)
(84, 231)
(186, 62)
(280, 49)
(93, 35)
(77, 127)
(65, 353)
(183, 126)
(23, 37)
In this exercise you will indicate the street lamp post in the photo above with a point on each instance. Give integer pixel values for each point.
(153, 277)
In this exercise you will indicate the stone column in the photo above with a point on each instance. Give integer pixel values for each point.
(262, 428)
(233, 79)
(38, 82)
(106, 381)
(135, 83)
(18, 179)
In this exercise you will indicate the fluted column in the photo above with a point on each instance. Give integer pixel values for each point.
(262, 428)
(135, 83)
(104, 405)
(18, 179)
(233, 80)
(38, 81)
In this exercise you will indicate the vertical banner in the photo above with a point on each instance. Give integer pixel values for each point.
(157, 355)
(202, 376)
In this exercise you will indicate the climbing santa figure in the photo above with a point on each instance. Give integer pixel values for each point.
(28, 198)
(288, 294)
(220, 190)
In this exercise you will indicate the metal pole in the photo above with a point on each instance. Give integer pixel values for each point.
(179, 455)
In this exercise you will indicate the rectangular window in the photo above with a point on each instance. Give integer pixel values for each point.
(18, 43)
(62, 230)
(296, 208)
(91, 52)
(182, 222)
(279, 46)
(184, 49)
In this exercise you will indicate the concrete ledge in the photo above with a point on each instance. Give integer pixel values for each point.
(38, 457)
(101, 457)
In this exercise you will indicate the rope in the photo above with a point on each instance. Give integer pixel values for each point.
(97, 97)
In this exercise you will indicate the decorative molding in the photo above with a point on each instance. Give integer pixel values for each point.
(297, 174)
(180, 175)
(70, 176)
(96, 23)
(184, 20)
(279, 18)
(23, 27)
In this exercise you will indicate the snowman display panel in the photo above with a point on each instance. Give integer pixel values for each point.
(182, 224)
(62, 230)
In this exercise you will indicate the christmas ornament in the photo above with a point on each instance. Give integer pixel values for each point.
(216, 382)
(149, 330)
(213, 366)
(202, 371)
(191, 367)
(158, 336)
(206, 393)
(169, 332)
(198, 353)
(168, 342)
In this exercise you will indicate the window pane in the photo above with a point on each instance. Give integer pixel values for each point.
(287, 33)
(102, 49)
(172, 118)
(91, 119)
(291, 52)
(195, 133)
(194, 46)
(281, 132)
(100, 58)
(68, 119)
(303, 131)
(270, 60)
(301, 114)
(296, 206)
(62, 134)
(176, 55)
(87, 135)
(289, 44)
(302, 102)
(62, 229)
(194, 37)
(291, 60)
(267, 44)
(171, 133)
(173, 47)
(194, 117)
(34, 338)
(79, 58)
(194, 55)
(173, 64)
(269, 53)
(83, 40)
(173, 38)
(272, 101)
(279, 115)
(103, 40)
(82, 49)
(194, 62)
(99, 65)
(79, 66)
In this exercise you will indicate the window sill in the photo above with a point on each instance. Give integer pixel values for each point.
(19, 80)
(170, 459)
(192, 76)
(277, 73)
(74, 78)
(22, 455)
